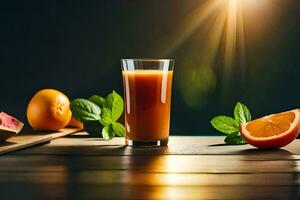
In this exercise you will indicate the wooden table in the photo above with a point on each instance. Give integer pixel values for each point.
(80, 167)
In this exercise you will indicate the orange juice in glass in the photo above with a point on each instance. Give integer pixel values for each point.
(147, 89)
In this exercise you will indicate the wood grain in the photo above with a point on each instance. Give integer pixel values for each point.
(91, 191)
(81, 167)
(149, 164)
(139, 178)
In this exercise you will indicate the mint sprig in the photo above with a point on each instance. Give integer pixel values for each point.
(112, 110)
(231, 126)
(100, 115)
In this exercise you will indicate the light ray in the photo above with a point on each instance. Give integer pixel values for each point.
(187, 26)
(241, 39)
(202, 78)
(213, 40)
(230, 41)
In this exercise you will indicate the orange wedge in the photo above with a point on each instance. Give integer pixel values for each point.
(272, 131)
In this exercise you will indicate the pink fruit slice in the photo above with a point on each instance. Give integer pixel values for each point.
(9, 126)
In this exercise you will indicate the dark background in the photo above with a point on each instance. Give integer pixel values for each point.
(76, 47)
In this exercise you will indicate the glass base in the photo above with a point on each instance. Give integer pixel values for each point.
(155, 143)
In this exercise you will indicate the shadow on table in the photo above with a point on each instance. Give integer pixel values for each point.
(220, 145)
(79, 136)
(266, 151)
(130, 151)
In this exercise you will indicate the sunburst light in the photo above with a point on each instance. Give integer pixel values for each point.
(221, 26)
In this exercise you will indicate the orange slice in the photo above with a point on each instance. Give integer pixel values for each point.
(272, 131)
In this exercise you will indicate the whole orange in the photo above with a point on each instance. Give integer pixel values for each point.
(49, 110)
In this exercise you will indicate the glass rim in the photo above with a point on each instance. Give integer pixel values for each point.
(148, 59)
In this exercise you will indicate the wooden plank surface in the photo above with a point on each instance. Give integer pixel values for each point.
(82, 144)
(150, 164)
(76, 191)
(141, 178)
(81, 167)
(24, 140)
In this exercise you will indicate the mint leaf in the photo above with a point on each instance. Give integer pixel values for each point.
(242, 113)
(84, 110)
(115, 103)
(234, 139)
(106, 117)
(108, 132)
(119, 129)
(100, 115)
(230, 126)
(224, 124)
(97, 100)
(94, 128)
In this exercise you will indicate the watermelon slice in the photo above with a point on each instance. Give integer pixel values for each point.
(9, 126)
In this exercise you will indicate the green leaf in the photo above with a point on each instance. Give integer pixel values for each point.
(115, 103)
(224, 124)
(97, 100)
(242, 113)
(94, 128)
(234, 139)
(84, 110)
(119, 129)
(106, 117)
(108, 132)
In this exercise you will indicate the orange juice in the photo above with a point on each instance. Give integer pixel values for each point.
(147, 104)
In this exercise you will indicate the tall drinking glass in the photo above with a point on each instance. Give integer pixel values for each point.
(147, 88)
